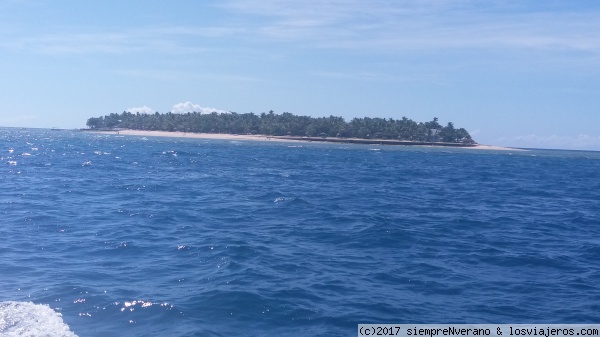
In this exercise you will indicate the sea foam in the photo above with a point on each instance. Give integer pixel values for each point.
(31, 320)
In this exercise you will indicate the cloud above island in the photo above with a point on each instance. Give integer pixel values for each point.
(181, 108)
(186, 107)
(143, 110)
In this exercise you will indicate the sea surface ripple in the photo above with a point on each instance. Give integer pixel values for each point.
(135, 236)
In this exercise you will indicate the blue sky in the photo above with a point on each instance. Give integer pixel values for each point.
(514, 73)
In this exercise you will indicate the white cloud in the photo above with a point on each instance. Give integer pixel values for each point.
(144, 110)
(186, 107)
(168, 40)
(380, 25)
(579, 142)
(423, 24)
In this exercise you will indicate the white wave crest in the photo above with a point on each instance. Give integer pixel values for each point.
(31, 320)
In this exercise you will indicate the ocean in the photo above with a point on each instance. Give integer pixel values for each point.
(108, 235)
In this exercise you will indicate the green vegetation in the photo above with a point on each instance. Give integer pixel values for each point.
(286, 124)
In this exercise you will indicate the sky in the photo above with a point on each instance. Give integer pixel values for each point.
(522, 73)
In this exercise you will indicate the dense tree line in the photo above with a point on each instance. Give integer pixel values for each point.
(285, 124)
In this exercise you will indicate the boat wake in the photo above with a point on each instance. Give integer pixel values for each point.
(29, 319)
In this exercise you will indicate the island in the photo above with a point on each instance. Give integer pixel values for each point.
(287, 126)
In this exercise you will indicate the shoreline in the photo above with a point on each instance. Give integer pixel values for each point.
(224, 136)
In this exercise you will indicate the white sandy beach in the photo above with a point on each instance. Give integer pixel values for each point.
(492, 147)
(249, 137)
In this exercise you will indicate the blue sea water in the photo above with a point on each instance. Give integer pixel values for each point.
(106, 235)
